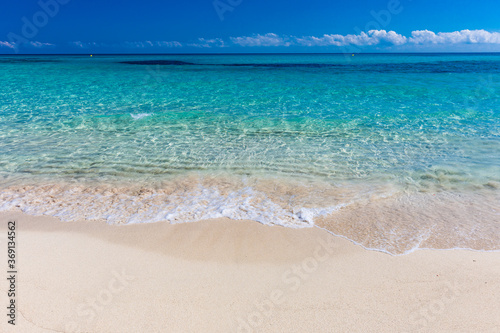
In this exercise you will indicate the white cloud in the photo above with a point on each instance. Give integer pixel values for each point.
(7, 44)
(29, 44)
(208, 43)
(169, 44)
(86, 45)
(39, 44)
(138, 45)
(380, 38)
(141, 45)
(148, 43)
(373, 37)
(456, 37)
(389, 37)
(78, 44)
(269, 39)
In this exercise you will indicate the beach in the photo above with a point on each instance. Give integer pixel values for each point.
(239, 276)
(250, 166)
(250, 192)
(395, 152)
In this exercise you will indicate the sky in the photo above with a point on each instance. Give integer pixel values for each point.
(248, 26)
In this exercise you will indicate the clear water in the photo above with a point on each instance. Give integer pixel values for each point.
(282, 139)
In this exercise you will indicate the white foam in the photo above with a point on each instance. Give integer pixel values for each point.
(395, 227)
(122, 208)
(139, 115)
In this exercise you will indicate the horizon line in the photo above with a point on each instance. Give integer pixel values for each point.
(241, 53)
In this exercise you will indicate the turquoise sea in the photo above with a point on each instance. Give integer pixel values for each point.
(393, 151)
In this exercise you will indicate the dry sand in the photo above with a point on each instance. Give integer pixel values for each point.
(237, 276)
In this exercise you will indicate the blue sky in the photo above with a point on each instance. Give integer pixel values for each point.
(206, 26)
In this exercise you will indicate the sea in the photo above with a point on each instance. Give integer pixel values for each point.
(395, 152)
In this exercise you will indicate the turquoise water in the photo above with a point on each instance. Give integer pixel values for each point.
(341, 128)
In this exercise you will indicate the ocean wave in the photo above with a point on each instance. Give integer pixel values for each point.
(387, 220)
(122, 206)
(139, 115)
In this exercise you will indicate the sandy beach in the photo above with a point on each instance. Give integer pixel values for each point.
(238, 276)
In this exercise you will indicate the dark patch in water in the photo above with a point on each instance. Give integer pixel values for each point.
(157, 62)
(284, 65)
(422, 67)
(428, 67)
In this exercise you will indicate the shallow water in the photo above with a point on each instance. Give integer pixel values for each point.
(386, 150)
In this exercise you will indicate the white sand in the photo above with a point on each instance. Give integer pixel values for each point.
(230, 276)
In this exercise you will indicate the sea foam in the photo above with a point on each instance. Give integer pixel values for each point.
(396, 223)
(120, 206)
(139, 115)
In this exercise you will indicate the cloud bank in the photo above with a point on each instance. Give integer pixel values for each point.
(457, 37)
(7, 44)
(208, 43)
(379, 38)
(133, 45)
(269, 39)
(374, 37)
(36, 44)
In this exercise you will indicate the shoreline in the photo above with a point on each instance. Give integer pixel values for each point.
(404, 253)
(239, 276)
(379, 219)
